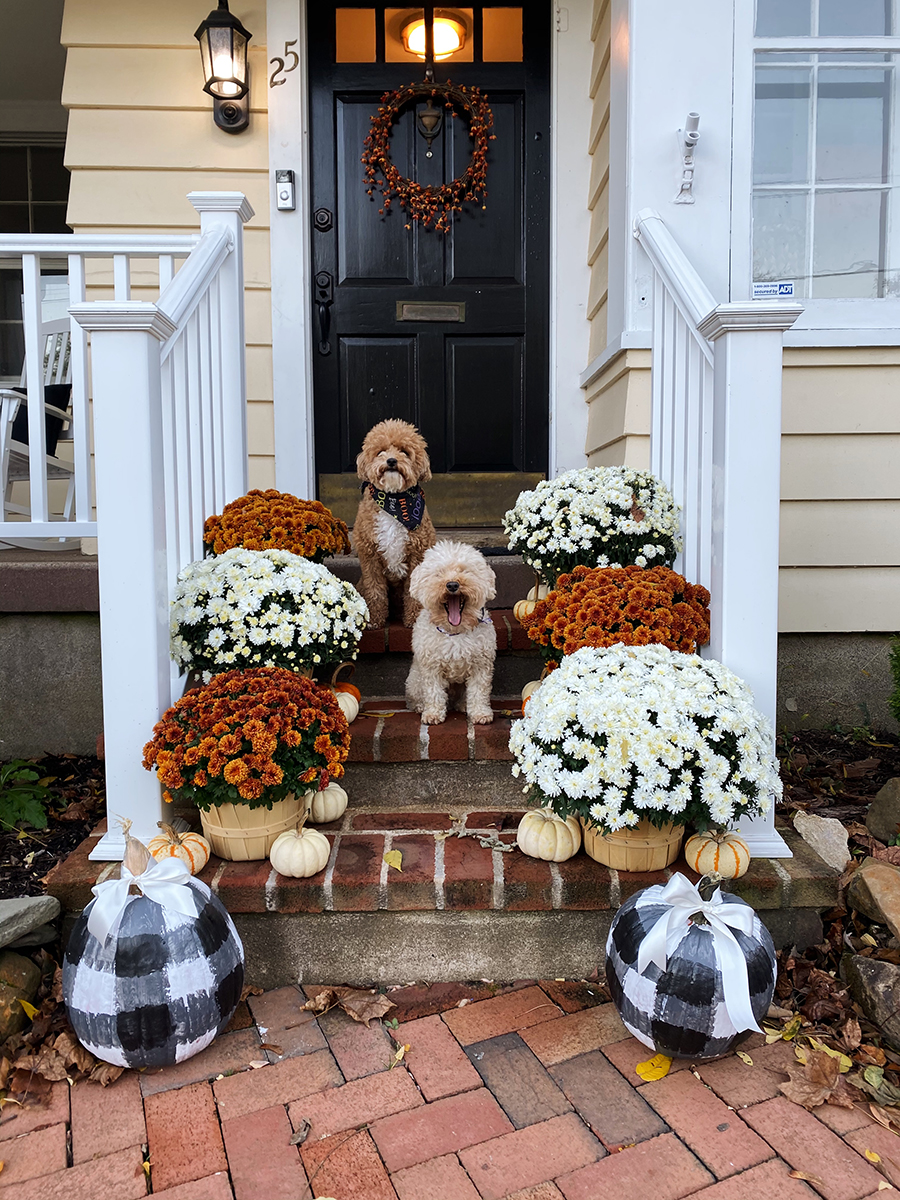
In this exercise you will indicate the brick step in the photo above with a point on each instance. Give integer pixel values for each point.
(514, 578)
(457, 909)
(385, 731)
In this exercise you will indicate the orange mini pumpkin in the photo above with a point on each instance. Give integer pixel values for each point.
(191, 848)
(348, 687)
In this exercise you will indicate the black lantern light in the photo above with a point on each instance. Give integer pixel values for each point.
(223, 50)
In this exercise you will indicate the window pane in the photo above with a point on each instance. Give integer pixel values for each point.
(502, 32)
(780, 238)
(49, 218)
(849, 244)
(851, 126)
(355, 34)
(49, 178)
(396, 19)
(854, 18)
(14, 218)
(781, 129)
(12, 351)
(778, 18)
(13, 173)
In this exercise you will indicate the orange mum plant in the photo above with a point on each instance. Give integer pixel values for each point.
(249, 737)
(274, 520)
(600, 606)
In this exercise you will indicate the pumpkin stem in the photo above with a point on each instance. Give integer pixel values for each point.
(708, 884)
(136, 856)
(171, 832)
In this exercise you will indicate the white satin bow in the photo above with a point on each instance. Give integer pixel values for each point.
(164, 882)
(684, 901)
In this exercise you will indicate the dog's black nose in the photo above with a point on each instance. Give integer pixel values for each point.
(392, 462)
(452, 586)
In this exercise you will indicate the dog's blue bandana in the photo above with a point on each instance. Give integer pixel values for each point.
(407, 507)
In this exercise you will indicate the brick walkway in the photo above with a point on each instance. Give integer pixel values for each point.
(527, 1091)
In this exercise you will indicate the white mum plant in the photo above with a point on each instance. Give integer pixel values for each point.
(263, 608)
(625, 733)
(595, 517)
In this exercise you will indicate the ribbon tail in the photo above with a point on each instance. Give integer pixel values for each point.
(655, 946)
(108, 908)
(735, 982)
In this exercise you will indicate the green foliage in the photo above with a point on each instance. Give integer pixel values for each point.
(894, 659)
(22, 795)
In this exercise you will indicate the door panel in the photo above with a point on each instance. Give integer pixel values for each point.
(477, 387)
(485, 394)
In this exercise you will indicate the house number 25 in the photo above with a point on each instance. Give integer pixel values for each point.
(280, 68)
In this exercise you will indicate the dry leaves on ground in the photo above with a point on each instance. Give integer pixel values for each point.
(362, 1006)
(819, 1080)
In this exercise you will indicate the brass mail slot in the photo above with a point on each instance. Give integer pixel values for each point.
(430, 310)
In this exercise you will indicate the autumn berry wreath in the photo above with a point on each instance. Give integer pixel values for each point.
(428, 204)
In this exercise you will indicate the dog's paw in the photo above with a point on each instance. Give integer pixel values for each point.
(482, 716)
(431, 716)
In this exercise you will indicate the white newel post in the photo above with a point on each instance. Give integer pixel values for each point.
(230, 210)
(131, 531)
(746, 493)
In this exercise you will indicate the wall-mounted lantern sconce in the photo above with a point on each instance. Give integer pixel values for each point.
(223, 50)
(449, 35)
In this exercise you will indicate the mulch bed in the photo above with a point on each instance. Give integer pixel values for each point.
(76, 804)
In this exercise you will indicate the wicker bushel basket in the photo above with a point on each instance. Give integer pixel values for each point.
(641, 848)
(241, 834)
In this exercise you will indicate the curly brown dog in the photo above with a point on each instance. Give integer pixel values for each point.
(393, 529)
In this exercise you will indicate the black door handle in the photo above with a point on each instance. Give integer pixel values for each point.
(324, 300)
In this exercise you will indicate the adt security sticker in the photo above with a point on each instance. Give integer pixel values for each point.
(782, 289)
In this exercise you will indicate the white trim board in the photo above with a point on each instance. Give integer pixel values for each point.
(569, 332)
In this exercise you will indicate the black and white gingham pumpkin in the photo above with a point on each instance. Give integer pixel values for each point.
(161, 988)
(681, 1011)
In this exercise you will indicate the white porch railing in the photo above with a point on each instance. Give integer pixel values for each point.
(716, 441)
(168, 401)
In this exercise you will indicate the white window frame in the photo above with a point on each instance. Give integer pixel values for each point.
(838, 322)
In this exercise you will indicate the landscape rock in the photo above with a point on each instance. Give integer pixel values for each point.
(875, 986)
(875, 892)
(826, 835)
(883, 817)
(19, 980)
(42, 936)
(20, 916)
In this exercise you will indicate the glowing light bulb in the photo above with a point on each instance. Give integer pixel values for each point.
(449, 37)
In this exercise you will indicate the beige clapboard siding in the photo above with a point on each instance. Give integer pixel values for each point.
(619, 404)
(625, 452)
(863, 466)
(119, 77)
(598, 198)
(836, 600)
(162, 23)
(141, 136)
(842, 390)
(841, 533)
(158, 198)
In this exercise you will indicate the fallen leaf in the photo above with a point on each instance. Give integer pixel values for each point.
(398, 1056)
(271, 1046)
(301, 1133)
(851, 1033)
(105, 1074)
(804, 1176)
(843, 1060)
(870, 1056)
(362, 1006)
(146, 1167)
(872, 1156)
(394, 858)
(885, 1118)
(744, 1057)
(818, 1082)
(30, 1011)
(247, 990)
(2, 1163)
(256, 1063)
(655, 1068)
(884, 1186)
(73, 1053)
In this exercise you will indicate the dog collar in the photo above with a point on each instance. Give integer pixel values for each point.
(484, 619)
(406, 507)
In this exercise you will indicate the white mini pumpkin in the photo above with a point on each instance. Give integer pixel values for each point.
(714, 851)
(542, 834)
(524, 608)
(349, 705)
(300, 852)
(326, 805)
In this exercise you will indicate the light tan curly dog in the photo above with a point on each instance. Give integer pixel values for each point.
(393, 529)
(454, 641)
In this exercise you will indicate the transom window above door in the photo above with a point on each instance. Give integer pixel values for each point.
(381, 34)
(826, 151)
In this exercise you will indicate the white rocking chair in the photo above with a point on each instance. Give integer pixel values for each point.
(14, 460)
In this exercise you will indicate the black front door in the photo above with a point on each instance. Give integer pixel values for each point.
(446, 330)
